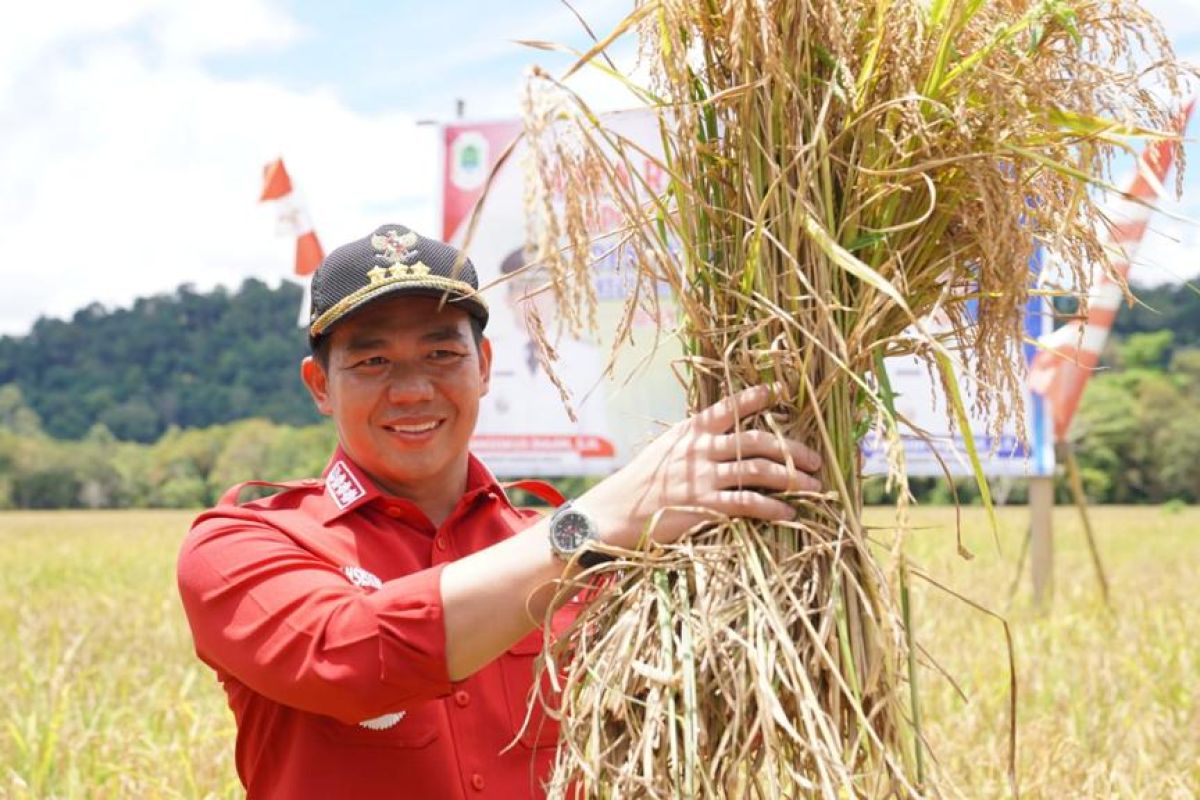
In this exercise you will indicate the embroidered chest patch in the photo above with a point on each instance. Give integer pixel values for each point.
(342, 486)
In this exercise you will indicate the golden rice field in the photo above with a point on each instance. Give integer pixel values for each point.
(100, 695)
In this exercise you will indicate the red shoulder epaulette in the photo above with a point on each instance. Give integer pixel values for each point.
(230, 498)
(539, 489)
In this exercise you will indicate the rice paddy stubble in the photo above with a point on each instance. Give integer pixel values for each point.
(101, 694)
(1110, 704)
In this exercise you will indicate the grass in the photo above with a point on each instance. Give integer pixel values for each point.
(101, 696)
(100, 692)
(1109, 703)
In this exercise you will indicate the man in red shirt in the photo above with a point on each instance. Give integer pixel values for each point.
(375, 630)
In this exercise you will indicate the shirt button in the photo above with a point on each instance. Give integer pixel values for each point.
(440, 542)
(462, 698)
(310, 481)
(394, 511)
(477, 782)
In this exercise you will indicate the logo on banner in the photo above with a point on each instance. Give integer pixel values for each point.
(469, 160)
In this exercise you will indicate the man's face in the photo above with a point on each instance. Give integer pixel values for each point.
(403, 386)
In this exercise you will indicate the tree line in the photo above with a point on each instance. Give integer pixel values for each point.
(182, 469)
(188, 359)
(169, 402)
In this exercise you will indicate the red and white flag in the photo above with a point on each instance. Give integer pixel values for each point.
(1069, 355)
(293, 220)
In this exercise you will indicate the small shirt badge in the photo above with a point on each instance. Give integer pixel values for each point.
(384, 722)
(360, 577)
(342, 486)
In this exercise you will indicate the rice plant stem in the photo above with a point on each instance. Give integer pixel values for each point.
(667, 641)
(914, 697)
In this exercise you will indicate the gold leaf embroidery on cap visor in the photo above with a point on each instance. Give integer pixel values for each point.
(381, 284)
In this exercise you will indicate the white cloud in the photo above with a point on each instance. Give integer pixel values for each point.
(129, 169)
(185, 28)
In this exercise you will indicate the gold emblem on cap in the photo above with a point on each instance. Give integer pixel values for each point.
(397, 272)
(393, 246)
(396, 248)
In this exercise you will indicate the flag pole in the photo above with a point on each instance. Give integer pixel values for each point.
(1070, 355)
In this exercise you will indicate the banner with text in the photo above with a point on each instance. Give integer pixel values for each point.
(921, 399)
(524, 428)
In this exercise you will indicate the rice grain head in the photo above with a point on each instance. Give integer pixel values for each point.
(839, 171)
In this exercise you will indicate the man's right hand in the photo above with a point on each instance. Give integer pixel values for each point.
(701, 469)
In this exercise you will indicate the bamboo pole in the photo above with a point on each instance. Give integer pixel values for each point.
(1041, 543)
(1067, 455)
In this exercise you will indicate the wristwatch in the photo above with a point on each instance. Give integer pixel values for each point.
(571, 531)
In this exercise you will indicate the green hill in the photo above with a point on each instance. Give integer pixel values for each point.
(193, 359)
(188, 359)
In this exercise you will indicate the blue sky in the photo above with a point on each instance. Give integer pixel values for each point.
(133, 132)
(418, 56)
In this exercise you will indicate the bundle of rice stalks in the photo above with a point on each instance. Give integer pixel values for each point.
(839, 170)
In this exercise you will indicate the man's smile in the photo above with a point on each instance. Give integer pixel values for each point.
(413, 427)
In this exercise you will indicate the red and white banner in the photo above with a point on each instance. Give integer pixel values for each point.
(292, 217)
(292, 220)
(1070, 354)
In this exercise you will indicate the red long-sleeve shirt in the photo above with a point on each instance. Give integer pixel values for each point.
(320, 610)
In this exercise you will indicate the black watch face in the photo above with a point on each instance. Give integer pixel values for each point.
(570, 531)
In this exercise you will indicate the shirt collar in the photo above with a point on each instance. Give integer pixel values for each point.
(480, 479)
(348, 488)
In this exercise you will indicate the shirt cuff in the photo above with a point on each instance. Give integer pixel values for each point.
(412, 633)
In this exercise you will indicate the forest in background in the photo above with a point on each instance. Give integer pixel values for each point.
(189, 360)
(172, 400)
